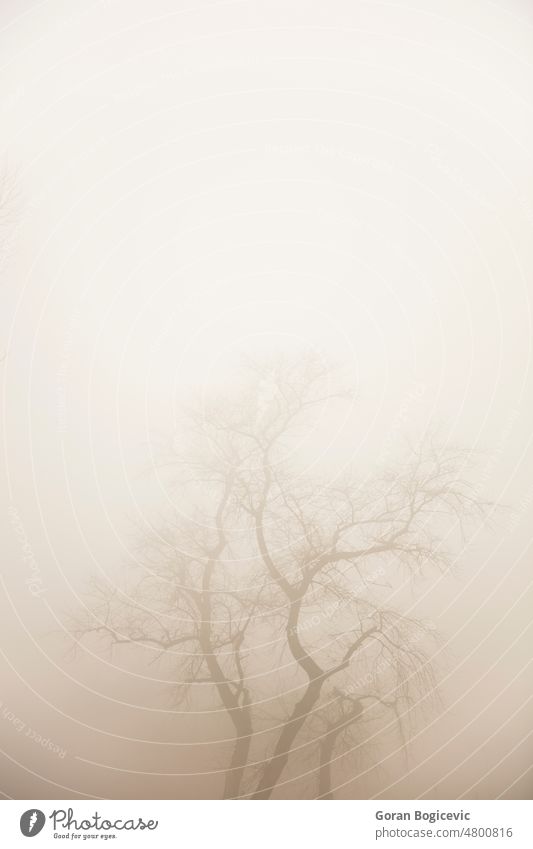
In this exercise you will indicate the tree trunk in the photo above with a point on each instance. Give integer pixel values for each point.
(239, 761)
(275, 766)
(327, 747)
(324, 771)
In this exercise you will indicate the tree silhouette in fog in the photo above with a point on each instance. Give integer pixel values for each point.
(276, 589)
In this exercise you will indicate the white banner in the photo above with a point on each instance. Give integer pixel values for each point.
(276, 825)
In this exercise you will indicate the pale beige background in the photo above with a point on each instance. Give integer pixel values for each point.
(196, 180)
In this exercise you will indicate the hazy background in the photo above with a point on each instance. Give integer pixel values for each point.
(198, 181)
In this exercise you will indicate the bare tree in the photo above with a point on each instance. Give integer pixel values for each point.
(268, 584)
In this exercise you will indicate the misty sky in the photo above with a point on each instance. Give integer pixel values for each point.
(195, 182)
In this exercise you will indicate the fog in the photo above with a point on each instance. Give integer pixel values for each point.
(194, 187)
